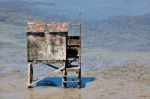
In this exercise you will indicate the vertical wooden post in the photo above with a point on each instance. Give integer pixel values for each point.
(29, 75)
(64, 74)
(79, 75)
(79, 78)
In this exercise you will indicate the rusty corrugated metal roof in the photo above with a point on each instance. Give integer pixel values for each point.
(50, 27)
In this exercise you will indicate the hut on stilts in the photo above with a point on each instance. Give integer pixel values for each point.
(50, 43)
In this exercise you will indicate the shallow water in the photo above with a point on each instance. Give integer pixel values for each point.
(114, 32)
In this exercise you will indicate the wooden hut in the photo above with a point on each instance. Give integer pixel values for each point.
(51, 43)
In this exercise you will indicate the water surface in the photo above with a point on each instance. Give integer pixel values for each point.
(115, 32)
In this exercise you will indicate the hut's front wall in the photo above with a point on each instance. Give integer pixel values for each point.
(46, 41)
(46, 46)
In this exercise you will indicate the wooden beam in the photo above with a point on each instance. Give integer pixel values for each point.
(52, 66)
(30, 75)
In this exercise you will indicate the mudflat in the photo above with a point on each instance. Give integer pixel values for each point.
(125, 82)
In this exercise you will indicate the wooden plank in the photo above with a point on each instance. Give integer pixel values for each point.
(75, 68)
(74, 40)
(29, 75)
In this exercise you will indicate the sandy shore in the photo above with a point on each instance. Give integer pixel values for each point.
(125, 82)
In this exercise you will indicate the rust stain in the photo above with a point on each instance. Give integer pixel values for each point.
(40, 39)
(58, 27)
(35, 27)
(51, 27)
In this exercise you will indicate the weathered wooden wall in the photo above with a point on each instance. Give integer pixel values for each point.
(47, 41)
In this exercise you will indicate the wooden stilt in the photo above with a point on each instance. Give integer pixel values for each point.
(29, 75)
(64, 74)
(64, 78)
(79, 78)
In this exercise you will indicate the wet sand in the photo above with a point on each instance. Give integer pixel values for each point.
(125, 82)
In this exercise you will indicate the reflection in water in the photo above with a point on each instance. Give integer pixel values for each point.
(53, 93)
(49, 94)
(56, 81)
(50, 88)
(30, 94)
(69, 94)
